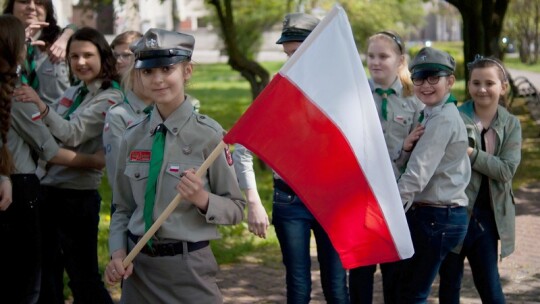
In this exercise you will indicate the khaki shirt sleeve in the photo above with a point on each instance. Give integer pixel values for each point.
(243, 166)
(87, 124)
(226, 203)
(503, 166)
(425, 158)
(124, 202)
(33, 132)
(112, 136)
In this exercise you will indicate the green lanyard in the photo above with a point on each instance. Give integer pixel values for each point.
(384, 106)
(81, 94)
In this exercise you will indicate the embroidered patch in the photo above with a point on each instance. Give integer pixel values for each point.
(111, 102)
(142, 156)
(400, 118)
(66, 102)
(228, 156)
(106, 127)
(36, 116)
(174, 168)
(129, 122)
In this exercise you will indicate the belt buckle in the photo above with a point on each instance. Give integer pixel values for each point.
(167, 249)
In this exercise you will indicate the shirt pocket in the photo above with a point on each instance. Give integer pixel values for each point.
(402, 123)
(138, 178)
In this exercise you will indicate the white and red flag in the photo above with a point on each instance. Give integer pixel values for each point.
(317, 126)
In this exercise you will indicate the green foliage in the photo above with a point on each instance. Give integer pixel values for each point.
(454, 48)
(251, 18)
(368, 17)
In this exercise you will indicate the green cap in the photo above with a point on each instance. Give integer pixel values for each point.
(296, 27)
(430, 61)
(159, 48)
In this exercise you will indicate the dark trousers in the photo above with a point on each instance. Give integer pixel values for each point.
(434, 232)
(70, 221)
(20, 243)
(293, 223)
(361, 283)
(480, 248)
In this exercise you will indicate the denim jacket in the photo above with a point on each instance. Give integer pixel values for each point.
(499, 167)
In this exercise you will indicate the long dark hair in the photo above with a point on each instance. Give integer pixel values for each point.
(11, 55)
(50, 33)
(108, 63)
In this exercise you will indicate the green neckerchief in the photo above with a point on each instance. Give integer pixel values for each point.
(156, 161)
(384, 94)
(30, 77)
(81, 94)
(451, 99)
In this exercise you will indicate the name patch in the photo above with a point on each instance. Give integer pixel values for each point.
(142, 156)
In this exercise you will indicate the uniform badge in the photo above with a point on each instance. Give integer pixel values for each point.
(174, 168)
(106, 127)
(151, 43)
(140, 156)
(36, 116)
(186, 150)
(228, 156)
(66, 102)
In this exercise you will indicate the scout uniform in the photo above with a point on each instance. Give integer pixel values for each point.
(293, 221)
(53, 78)
(434, 182)
(118, 118)
(19, 223)
(243, 166)
(179, 266)
(402, 115)
(71, 202)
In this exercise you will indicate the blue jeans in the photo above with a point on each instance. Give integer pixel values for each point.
(435, 232)
(480, 248)
(293, 223)
(361, 283)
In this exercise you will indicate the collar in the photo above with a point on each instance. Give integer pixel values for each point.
(94, 86)
(176, 121)
(136, 104)
(396, 85)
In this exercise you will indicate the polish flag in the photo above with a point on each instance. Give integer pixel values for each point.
(317, 126)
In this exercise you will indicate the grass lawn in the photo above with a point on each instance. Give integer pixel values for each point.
(224, 95)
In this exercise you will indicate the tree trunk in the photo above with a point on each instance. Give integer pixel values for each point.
(253, 72)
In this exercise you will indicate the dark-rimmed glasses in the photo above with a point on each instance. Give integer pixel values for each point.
(432, 79)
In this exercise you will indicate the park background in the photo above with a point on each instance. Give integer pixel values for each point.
(236, 55)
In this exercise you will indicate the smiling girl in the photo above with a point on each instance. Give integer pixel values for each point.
(495, 153)
(157, 160)
(398, 111)
(70, 211)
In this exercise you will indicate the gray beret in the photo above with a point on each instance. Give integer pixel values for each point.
(296, 27)
(431, 61)
(159, 48)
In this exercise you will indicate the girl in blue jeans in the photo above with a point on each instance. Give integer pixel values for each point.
(293, 221)
(495, 153)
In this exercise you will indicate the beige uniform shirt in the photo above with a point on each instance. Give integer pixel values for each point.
(190, 139)
(402, 118)
(118, 118)
(27, 133)
(439, 169)
(53, 78)
(82, 133)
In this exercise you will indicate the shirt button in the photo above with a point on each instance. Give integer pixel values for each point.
(212, 218)
(175, 130)
(137, 175)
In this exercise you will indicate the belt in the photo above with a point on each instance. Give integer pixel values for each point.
(168, 249)
(282, 186)
(433, 205)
